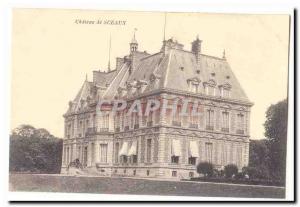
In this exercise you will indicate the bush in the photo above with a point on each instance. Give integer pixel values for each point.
(259, 172)
(230, 170)
(205, 168)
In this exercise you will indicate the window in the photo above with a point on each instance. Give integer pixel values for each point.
(193, 118)
(106, 121)
(117, 146)
(240, 123)
(134, 172)
(175, 151)
(148, 172)
(174, 173)
(132, 116)
(134, 158)
(79, 153)
(175, 159)
(80, 128)
(148, 150)
(193, 152)
(103, 153)
(83, 128)
(122, 120)
(176, 117)
(73, 124)
(209, 90)
(225, 121)
(94, 120)
(192, 160)
(124, 158)
(93, 153)
(210, 119)
(144, 120)
(136, 120)
(194, 87)
(191, 174)
(117, 120)
(226, 93)
(150, 118)
(68, 130)
(208, 151)
(87, 123)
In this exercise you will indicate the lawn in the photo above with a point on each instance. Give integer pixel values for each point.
(105, 185)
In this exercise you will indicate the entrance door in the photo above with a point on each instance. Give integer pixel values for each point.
(85, 151)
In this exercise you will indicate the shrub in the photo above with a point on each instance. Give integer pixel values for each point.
(230, 170)
(205, 168)
(259, 172)
(240, 175)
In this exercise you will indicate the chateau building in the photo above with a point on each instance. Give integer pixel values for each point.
(160, 145)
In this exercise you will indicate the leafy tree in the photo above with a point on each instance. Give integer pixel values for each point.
(24, 130)
(276, 133)
(205, 168)
(34, 150)
(258, 153)
(230, 170)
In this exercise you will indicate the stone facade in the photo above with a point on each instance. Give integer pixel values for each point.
(219, 134)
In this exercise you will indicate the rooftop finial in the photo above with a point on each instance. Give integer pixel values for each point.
(224, 55)
(86, 77)
(165, 25)
(109, 53)
(197, 37)
(135, 29)
(133, 39)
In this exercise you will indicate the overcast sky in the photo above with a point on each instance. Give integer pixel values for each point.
(52, 54)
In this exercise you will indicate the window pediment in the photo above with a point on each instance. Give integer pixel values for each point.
(194, 80)
(211, 83)
(226, 86)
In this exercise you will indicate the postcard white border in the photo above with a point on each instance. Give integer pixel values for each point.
(212, 6)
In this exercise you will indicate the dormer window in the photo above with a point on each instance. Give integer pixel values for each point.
(210, 90)
(210, 87)
(193, 85)
(154, 80)
(225, 90)
(194, 88)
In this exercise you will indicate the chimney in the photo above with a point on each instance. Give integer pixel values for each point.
(170, 44)
(119, 62)
(196, 48)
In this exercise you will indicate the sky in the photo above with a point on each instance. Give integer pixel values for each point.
(52, 54)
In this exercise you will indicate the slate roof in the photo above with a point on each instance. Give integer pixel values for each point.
(173, 68)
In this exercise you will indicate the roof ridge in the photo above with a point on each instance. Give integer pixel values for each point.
(150, 56)
(218, 58)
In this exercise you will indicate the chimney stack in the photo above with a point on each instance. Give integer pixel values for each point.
(196, 48)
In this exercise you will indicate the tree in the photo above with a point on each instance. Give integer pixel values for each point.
(205, 168)
(24, 130)
(34, 150)
(276, 133)
(230, 170)
(258, 153)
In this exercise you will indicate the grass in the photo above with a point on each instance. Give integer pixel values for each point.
(106, 185)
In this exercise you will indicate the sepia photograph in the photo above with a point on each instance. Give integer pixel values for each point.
(150, 103)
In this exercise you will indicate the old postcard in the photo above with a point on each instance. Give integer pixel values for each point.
(150, 103)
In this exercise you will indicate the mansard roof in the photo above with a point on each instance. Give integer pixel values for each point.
(170, 69)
